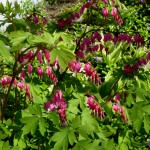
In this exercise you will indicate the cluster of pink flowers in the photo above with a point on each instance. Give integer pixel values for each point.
(58, 103)
(21, 85)
(119, 109)
(51, 75)
(37, 20)
(87, 45)
(74, 66)
(124, 37)
(131, 68)
(40, 56)
(5, 81)
(95, 108)
(114, 13)
(25, 59)
(90, 72)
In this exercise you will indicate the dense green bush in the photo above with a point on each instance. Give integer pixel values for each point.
(80, 82)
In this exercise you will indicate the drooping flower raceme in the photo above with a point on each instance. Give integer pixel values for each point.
(58, 103)
(74, 66)
(94, 107)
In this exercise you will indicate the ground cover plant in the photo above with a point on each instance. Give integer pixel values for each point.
(79, 82)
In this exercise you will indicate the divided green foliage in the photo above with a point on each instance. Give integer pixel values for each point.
(105, 106)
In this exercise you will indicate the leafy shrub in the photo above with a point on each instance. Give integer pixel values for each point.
(81, 82)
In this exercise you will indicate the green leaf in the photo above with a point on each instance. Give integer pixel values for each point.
(147, 123)
(30, 124)
(1, 144)
(124, 146)
(81, 145)
(61, 139)
(22, 144)
(72, 109)
(113, 57)
(46, 39)
(76, 122)
(129, 99)
(54, 118)
(146, 108)
(35, 109)
(67, 39)
(137, 117)
(6, 146)
(35, 93)
(63, 56)
(42, 125)
(88, 121)
(18, 37)
(139, 95)
(108, 109)
(4, 52)
(83, 131)
(110, 145)
(71, 137)
(106, 88)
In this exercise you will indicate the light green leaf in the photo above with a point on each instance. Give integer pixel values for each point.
(83, 131)
(71, 137)
(22, 144)
(113, 57)
(42, 125)
(147, 123)
(61, 139)
(88, 120)
(137, 117)
(6, 146)
(140, 95)
(76, 122)
(4, 52)
(54, 118)
(110, 145)
(72, 109)
(146, 109)
(63, 56)
(82, 145)
(1, 144)
(129, 99)
(30, 124)
(35, 109)
(108, 109)
(35, 93)
(124, 146)
(18, 37)
(46, 39)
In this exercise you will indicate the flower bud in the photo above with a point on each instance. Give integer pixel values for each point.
(114, 12)
(105, 12)
(40, 72)
(35, 20)
(20, 85)
(30, 68)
